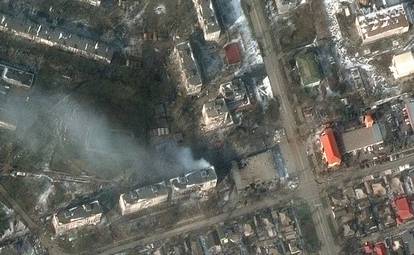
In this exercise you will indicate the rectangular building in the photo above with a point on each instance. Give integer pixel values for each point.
(362, 138)
(236, 95)
(16, 77)
(330, 148)
(403, 64)
(207, 19)
(309, 69)
(190, 71)
(216, 115)
(142, 198)
(382, 23)
(76, 217)
(96, 3)
(55, 37)
(409, 106)
(193, 183)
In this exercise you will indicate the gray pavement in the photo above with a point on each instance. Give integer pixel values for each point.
(308, 189)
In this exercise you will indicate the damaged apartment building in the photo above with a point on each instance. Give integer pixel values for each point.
(216, 116)
(195, 183)
(382, 23)
(54, 37)
(190, 76)
(143, 198)
(207, 19)
(15, 80)
(77, 217)
(236, 95)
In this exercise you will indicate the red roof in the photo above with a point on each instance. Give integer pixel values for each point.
(403, 208)
(368, 248)
(233, 53)
(380, 249)
(330, 148)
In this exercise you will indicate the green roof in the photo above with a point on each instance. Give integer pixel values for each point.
(309, 69)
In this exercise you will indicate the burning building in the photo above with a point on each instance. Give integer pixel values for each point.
(76, 217)
(193, 183)
(142, 198)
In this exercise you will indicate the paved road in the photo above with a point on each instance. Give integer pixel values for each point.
(16, 207)
(308, 189)
(191, 225)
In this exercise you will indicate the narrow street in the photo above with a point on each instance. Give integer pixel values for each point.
(308, 188)
(192, 224)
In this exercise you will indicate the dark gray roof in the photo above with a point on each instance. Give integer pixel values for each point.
(362, 137)
(189, 63)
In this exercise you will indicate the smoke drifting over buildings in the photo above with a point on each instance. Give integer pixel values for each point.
(110, 150)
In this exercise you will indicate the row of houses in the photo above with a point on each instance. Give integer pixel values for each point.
(377, 203)
(193, 184)
(267, 232)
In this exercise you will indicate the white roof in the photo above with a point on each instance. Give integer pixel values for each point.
(403, 64)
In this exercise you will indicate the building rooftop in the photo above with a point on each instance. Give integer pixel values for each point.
(309, 68)
(189, 64)
(208, 15)
(216, 108)
(15, 76)
(55, 37)
(193, 178)
(233, 53)
(147, 192)
(382, 23)
(403, 64)
(79, 212)
(235, 93)
(330, 148)
(404, 209)
(361, 138)
(410, 111)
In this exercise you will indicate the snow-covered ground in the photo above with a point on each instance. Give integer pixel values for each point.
(16, 228)
(43, 198)
(236, 22)
(346, 60)
(264, 92)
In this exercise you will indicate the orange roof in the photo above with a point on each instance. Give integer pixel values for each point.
(369, 120)
(330, 148)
